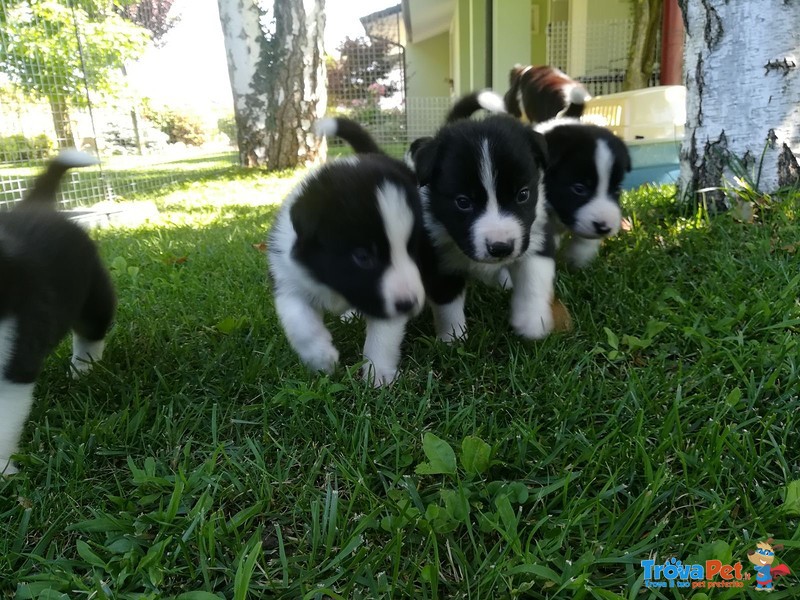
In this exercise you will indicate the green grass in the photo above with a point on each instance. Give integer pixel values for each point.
(201, 457)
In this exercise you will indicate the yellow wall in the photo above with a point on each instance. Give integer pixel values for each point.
(511, 32)
(428, 67)
(539, 38)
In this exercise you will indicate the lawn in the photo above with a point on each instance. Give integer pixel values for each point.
(200, 460)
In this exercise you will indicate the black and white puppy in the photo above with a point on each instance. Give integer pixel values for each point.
(347, 238)
(583, 179)
(51, 281)
(479, 184)
(583, 183)
(538, 94)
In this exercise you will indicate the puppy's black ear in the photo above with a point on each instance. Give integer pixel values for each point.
(425, 154)
(306, 224)
(538, 146)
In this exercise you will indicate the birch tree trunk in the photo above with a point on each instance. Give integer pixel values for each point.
(743, 94)
(277, 72)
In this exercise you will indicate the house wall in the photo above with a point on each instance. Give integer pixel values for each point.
(511, 32)
(539, 36)
(428, 84)
(428, 67)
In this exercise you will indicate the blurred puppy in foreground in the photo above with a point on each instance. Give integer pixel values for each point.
(52, 281)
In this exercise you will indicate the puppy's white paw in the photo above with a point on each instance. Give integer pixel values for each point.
(533, 324)
(504, 279)
(379, 377)
(7, 467)
(448, 337)
(321, 357)
(581, 252)
(349, 316)
(80, 367)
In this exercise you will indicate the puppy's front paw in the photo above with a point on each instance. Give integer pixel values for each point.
(7, 467)
(80, 367)
(378, 376)
(448, 337)
(349, 316)
(322, 357)
(533, 324)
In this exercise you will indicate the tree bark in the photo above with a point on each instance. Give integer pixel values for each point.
(61, 122)
(743, 96)
(277, 76)
(642, 54)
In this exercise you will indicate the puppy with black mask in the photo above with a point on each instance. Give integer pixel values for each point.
(479, 183)
(51, 281)
(583, 180)
(347, 239)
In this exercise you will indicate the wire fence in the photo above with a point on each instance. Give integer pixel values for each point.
(63, 83)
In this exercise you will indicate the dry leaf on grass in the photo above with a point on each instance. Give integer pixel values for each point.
(261, 247)
(562, 320)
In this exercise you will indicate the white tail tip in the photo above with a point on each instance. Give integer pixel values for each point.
(491, 101)
(75, 158)
(325, 127)
(579, 95)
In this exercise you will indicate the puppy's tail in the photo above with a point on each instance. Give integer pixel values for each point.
(576, 101)
(45, 185)
(350, 131)
(472, 103)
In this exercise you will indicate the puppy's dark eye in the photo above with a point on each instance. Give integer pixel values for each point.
(579, 189)
(523, 195)
(364, 259)
(463, 203)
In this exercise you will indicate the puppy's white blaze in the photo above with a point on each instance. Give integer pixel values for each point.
(602, 208)
(493, 225)
(15, 400)
(401, 282)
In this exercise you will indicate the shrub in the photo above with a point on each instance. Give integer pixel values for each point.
(227, 126)
(16, 148)
(180, 127)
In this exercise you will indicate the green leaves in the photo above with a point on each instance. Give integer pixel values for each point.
(475, 455)
(791, 499)
(441, 458)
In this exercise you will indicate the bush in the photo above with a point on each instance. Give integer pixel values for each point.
(227, 126)
(17, 148)
(180, 127)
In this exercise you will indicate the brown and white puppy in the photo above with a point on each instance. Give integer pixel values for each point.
(537, 94)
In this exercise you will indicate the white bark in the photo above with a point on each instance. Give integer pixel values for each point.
(277, 73)
(742, 69)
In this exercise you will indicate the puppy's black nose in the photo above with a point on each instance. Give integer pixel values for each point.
(500, 249)
(601, 227)
(406, 305)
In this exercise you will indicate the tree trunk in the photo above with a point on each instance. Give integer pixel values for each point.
(278, 79)
(642, 54)
(61, 122)
(743, 96)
